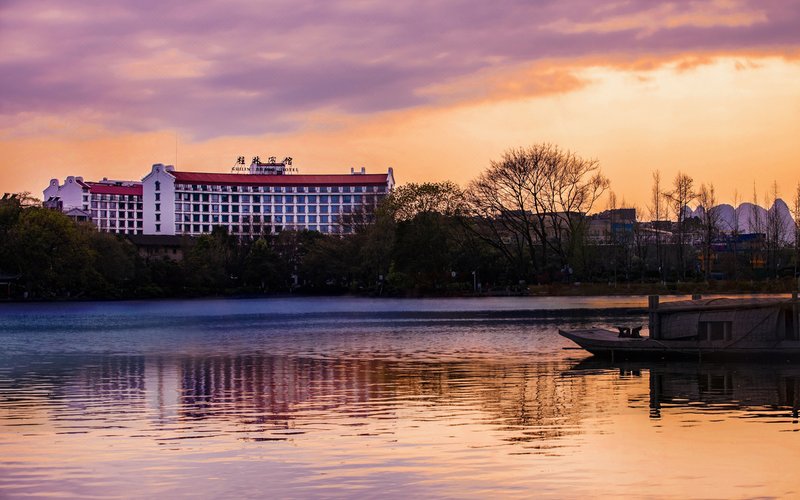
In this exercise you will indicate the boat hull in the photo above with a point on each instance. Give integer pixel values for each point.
(601, 342)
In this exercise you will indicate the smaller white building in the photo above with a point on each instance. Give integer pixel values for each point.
(113, 206)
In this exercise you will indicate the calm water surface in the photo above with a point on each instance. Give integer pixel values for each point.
(392, 398)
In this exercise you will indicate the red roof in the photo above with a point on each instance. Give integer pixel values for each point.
(101, 188)
(280, 180)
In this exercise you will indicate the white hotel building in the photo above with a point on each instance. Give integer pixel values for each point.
(266, 199)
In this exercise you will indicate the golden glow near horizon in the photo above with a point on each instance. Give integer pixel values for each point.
(731, 120)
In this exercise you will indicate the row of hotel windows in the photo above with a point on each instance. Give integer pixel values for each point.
(115, 205)
(104, 214)
(257, 219)
(277, 198)
(281, 189)
(278, 209)
(256, 230)
(113, 224)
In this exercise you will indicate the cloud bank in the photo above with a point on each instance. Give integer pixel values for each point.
(215, 69)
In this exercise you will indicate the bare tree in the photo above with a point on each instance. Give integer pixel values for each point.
(796, 217)
(681, 195)
(776, 229)
(735, 231)
(657, 212)
(530, 205)
(710, 222)
(757, 224)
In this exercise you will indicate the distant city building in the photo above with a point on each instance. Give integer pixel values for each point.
(264, 198)
(611, 225)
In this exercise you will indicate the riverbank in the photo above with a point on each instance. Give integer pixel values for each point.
(784, 286)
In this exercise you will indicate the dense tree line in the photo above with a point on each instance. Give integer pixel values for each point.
(522, 221)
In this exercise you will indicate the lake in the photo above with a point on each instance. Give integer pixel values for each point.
(350, 397)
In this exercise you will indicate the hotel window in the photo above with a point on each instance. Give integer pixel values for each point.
(158, 207)
(158, 186)
(289, 209)
(158, 228)
(225, 218)
(301, 209)
(290, 219)
(256, 209)
(323, 229)
(312, 209)
(301, 219)
(158, 196)
(278, 209)
(301, 199)
(323, 199)
(312, 218)
(158, 217)
(323, 218)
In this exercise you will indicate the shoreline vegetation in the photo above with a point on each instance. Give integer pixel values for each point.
(520, 228)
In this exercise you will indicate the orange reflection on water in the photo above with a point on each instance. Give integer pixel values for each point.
(248, 425)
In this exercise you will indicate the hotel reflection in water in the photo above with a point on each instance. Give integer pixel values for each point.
(262, 388)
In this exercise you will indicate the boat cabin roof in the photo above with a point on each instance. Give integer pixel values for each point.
(712, 304)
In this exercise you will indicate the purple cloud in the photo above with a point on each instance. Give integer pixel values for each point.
(226, 68)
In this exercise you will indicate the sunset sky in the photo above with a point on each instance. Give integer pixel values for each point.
(434, 89)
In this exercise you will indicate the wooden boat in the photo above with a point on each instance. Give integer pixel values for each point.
(717, 327)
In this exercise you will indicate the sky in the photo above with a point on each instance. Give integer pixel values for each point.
(436, 90)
